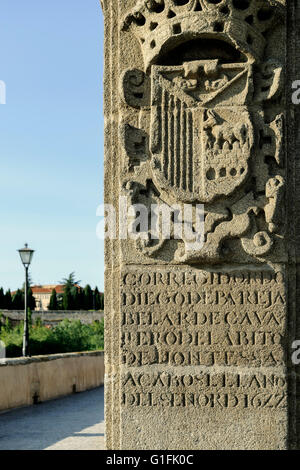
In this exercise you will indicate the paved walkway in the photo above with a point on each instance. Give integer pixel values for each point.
(75, 422)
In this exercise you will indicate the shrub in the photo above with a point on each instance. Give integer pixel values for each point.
(67, 336)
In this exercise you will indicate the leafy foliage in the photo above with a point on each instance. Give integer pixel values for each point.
(5, 300)
(76, 298)
(17, 301)
(73, 298)
(53, 304)
(67, 336)
(99, 300)
(70, 281)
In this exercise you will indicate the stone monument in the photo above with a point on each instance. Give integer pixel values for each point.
(198, 113)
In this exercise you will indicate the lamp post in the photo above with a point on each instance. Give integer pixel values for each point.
(26, 257)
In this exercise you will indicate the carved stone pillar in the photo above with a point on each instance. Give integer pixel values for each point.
(198, 111)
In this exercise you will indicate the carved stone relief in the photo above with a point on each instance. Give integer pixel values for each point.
(204, 135)
(199, 338)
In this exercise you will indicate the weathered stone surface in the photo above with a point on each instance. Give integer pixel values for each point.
(198, 111)
(25, 381)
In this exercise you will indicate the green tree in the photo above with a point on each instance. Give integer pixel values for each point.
(101, 301)
(18, 300)
(31, 300)
(60, 301)
(2, 298)
(75, 298)
(99, 304)
(8, 300)
(88, 298)
(70, 281)
(80, 299)
(67, 298)
(68, 336)
(53, 305)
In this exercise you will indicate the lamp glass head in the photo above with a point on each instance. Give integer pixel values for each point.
(26, 255)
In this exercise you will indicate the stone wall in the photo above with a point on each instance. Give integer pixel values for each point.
(198, 112)
(53, 318)
(25, 381)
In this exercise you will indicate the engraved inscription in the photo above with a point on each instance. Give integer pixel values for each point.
(205, 390)
(177, 318)
(198, 336)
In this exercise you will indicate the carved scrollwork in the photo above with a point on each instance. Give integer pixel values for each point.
(135, 88)
(136, 144)
(137, 194)
(160, 23)
(270, 80)
(275, 190)
(211, 130)
(258, 245)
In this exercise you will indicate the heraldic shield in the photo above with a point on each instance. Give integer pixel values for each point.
(202, 135)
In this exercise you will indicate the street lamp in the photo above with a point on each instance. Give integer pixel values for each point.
(26, 256)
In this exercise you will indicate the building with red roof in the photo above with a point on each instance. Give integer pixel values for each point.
(42, 294)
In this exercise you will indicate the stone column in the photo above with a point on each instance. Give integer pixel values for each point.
(201, 138)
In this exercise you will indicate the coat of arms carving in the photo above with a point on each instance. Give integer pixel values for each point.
(209, 127)
(201, 131)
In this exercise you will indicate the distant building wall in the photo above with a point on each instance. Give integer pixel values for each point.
(53, 318)
(42, 294)
(25, 381)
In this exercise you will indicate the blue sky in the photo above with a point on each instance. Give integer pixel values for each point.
(51, 139)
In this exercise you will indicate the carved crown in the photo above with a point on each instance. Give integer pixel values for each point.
(161, 25)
